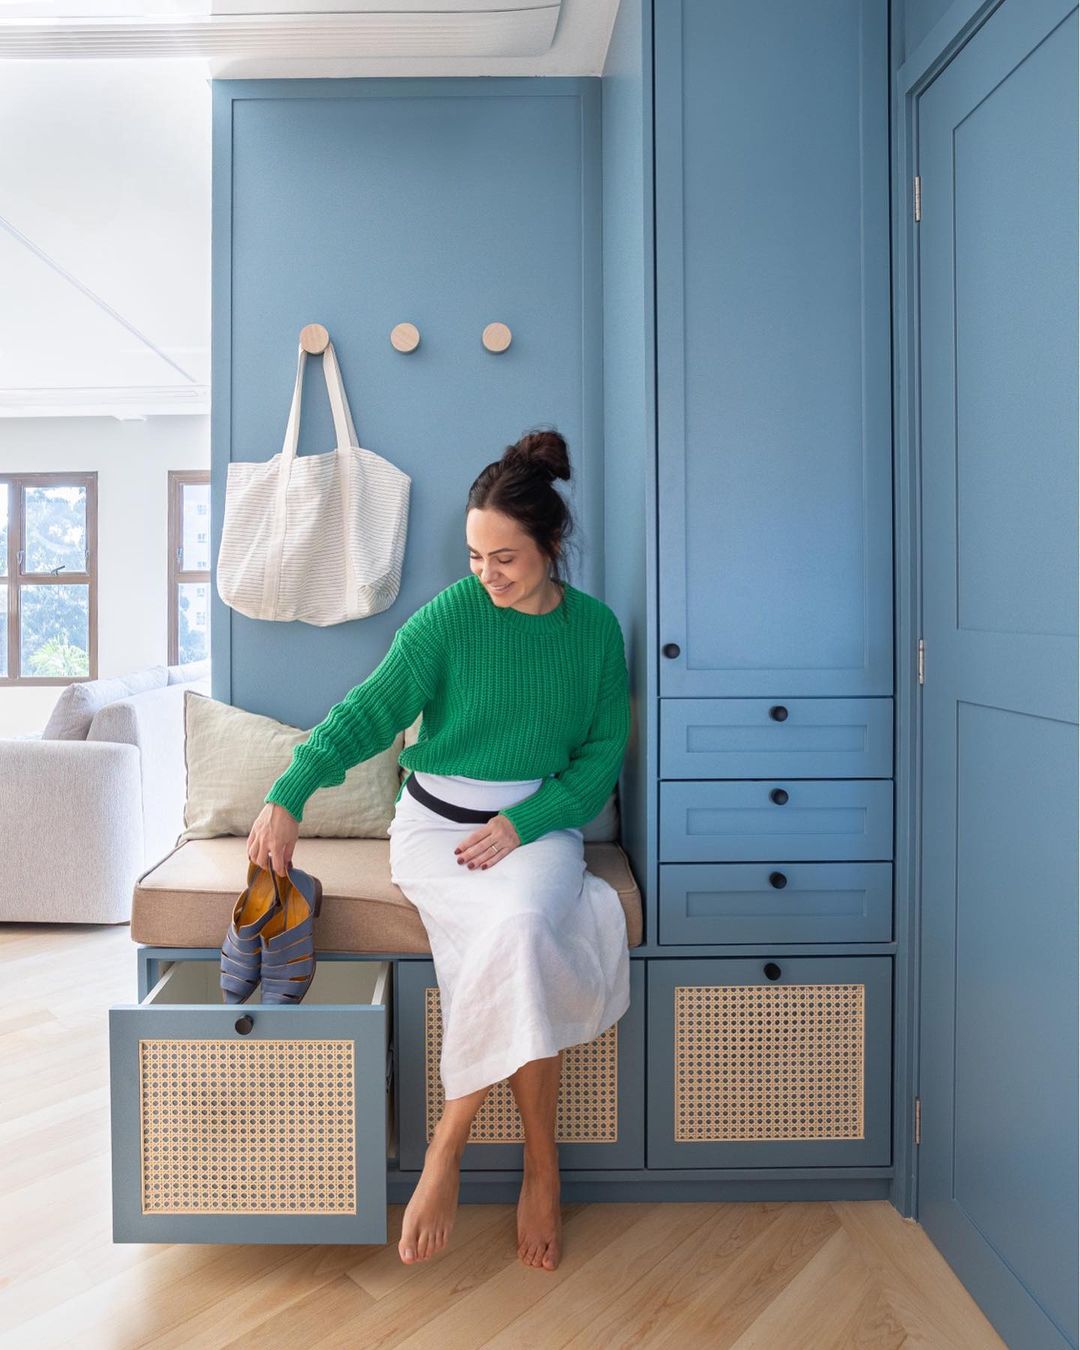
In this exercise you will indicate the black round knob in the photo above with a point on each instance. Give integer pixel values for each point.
(778, 795)
(671, 649)
(779, 713)
(244, 1024)
(772, 970)
(778, 880)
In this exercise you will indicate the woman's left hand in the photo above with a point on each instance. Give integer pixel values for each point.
(489, 844)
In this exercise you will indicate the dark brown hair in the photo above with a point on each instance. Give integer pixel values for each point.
(521, 485)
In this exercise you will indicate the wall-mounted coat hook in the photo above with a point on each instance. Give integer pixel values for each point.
(405, 337)
(496, 337)
(314, 338)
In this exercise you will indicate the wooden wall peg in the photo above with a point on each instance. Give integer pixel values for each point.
(405, 337)
(496, 337)
(314, 338)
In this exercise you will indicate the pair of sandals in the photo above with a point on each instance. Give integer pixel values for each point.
(271, 937)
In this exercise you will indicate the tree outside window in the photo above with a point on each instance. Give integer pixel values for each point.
(48, 578)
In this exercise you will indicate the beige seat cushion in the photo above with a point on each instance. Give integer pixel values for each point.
(186, 900)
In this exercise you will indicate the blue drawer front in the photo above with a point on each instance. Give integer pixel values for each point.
(775, 902)
(774, 738)
(848, 820)
(759, 1062)
(311, 1104)
(613, 1097)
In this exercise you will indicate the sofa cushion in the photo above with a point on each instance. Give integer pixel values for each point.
(232, 757)
(189, 671)
(75, 708)
(187, 899)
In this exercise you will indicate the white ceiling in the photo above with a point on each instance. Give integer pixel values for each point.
(105, 212)
(104, 237)
(248, 39)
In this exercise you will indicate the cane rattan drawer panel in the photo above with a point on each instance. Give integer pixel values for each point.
(600, 1113)
(846, 820)
(776, 738)
(775, 902)
(245, 1123)
(759, 1062)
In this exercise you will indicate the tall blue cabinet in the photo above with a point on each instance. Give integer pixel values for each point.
(770, 991)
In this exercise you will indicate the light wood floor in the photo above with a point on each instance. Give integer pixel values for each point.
(779, 1276)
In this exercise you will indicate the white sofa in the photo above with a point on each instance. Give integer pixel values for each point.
(83, 816)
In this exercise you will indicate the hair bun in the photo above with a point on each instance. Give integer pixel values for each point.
(540, 452)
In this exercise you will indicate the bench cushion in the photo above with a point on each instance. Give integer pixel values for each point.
(186, 900)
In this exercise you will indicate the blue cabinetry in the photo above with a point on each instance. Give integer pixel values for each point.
(769, 1063)
(773, 348)
(774, 616)
(600, 1117)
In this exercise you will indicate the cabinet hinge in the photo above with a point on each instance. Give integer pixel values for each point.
(921, 661)
(918, 197)
(918, 1121)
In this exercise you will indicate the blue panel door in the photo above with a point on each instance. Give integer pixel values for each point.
(997, 246)
(773, 348)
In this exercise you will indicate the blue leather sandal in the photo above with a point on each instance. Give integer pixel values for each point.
(241, 952)
(288, 940)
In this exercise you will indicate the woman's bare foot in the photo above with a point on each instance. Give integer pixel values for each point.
(429, 1215)
(539, 1217)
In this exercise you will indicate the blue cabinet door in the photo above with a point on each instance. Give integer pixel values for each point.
(997, 279)
(773, 348)
(759, 1062)
(600, 1118)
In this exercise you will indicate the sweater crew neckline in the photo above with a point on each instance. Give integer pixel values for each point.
(553, 619)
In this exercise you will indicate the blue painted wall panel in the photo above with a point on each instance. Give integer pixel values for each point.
(359, 204)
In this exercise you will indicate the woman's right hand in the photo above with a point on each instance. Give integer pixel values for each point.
(273, 838)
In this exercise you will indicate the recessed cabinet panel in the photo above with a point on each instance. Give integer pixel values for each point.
(600, 1115)
(759, 1062)
(249, 1123)
(773, 346)
(775, 902)
(774, 738)
(793, 819)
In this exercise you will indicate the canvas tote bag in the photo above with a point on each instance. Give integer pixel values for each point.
(318, 538)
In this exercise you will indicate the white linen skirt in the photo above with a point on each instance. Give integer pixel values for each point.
(530, 954)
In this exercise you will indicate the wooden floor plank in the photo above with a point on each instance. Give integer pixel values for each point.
(752, 1275)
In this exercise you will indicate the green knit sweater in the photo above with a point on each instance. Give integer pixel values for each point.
(505, 695)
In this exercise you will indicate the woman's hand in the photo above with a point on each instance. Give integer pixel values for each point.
(273, 838)
(489, 844)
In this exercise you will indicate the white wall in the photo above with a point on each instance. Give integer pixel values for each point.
(132, 460)
(105, 274)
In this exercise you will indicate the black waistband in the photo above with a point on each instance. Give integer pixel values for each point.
(465, 815)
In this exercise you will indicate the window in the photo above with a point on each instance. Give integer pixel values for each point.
(189, 565)
(48, 578)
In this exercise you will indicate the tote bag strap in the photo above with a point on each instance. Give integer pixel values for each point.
(339, 404)
(345, 433)
(344, 429)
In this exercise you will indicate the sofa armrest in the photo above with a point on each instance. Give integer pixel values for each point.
(153, 721)
(71, 822)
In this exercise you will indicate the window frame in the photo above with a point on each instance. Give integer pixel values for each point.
(17, 483)
(177, 576)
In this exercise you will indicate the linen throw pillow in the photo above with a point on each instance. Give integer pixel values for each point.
(75, 708)
(602, 829)
(232, 756)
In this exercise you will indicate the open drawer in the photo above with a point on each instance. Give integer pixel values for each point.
(240, 1123)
